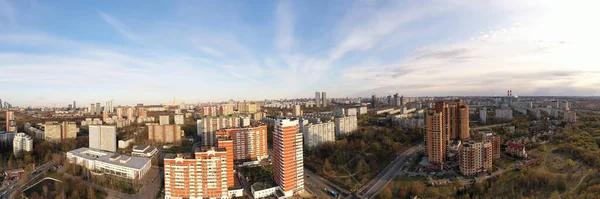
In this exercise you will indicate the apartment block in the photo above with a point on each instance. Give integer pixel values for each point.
(22, 143)
(204, 176)
(297, 110)
(249, 143)
(11, 125)
(504, 114)
(178, 119)
(495, 140)
(317, 134)
(164, 120)
(207, 127)
(445, 122)
(475, 157)
(57, 132)
(247, 108)
(345, 125)
(288, 166)
(103, 137)
(165, 133)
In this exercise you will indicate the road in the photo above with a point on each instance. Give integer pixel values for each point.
(15, 185)
(316, 184)
(489, 126)
(387, 175)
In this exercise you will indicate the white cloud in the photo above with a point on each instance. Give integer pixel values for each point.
(119, 26)
(211, 51)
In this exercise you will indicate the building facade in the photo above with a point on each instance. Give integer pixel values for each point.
(58, 132)
(288, 166)
(11, 125)
(345, 125)
(317, 134)
(504, 114)
(110, 163)
(475, 157)
(103, 137)
(249, 143)
(164, 120)
(22, 143)
(207, 126)
(445, 122)
(165, 133)
(205, 176)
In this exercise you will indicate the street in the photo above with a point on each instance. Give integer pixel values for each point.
(316, 185)
(388, 174)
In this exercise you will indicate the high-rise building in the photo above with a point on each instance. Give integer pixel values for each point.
(178, 119)
(105, 116)
(483, 115)
(248, 108)
(205, 176)
(249, 143)
(165, 133)
(74, 105)
(345, 125)
(119, 113)
(130, 113)
(445, 122)
(142, 112)
(11, 125)
(318, 99)
(495, 140)
(92, 108)
(22, 142)
(58, 132)
(98, 108)
(475, 157)
(288, 166)
(297, 110)
(164, 120)
(207, 127)
(373, 101)
(324, 99)
(103, 137)
(317, 134)
(1, 104)
(109, 106)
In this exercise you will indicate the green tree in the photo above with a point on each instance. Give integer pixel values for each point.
(570, 162)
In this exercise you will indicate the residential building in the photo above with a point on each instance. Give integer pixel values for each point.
(11, 125)
(110, 163)
(288, 166)
(297, 110)
(247, 108)
(165, 133)
(351, 112)
(495, 140)
(516, 149)
(144, 151)
(58, 132)
(207, 127)
(249, 143)
(98, 108)
(373, 101)
(178, 119)
(483, 115)
(362, 110)
(205, 176)
(6, 140)
(130, 112)
(103, 137)
(318, 99)
(436, 139)
(317, 134)
(22, 142)
(445, 122)
(164, 120)
(324, 99)
(475, 157)
(120, 113)
(504, 114)
(345, 125)
(570, 117)
(208, 111)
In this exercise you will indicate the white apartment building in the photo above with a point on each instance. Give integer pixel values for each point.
(362, 110)
(22, 142)
(178, 119)
(351, 112)
(317, 134)
(103, 137)
(504, 114)
(110, 163)
(164, 120)
(345, 125)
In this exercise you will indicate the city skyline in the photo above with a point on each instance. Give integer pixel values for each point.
(215, 51)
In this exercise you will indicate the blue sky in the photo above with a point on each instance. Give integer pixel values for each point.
(54, 52)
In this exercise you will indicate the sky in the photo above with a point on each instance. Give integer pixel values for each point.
(56, 52)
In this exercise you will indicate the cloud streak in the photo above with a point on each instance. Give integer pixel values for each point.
(119, 26)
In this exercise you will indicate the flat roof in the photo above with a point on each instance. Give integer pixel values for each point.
(263, 185)
(105, 156)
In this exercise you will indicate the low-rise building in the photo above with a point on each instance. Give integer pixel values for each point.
(516, 149)
(144, 151)
(263, 190)
(110, 163)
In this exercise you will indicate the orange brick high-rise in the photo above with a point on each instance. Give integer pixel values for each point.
(205, 176)
(445, 122)
(249, 143)
(288, 167)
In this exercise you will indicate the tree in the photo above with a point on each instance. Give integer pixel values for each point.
(386, 193)
(91, 193)
(45, 190)
(570, 162)
(554, 195)
(417, 188)
(35, 195)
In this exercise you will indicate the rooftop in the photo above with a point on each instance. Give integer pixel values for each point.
(143, 148)
(257, 186)
(110, 157)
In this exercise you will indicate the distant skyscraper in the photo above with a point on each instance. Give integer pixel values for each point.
(402, 101)
(324, 99)
(0, 103)
(74, 105)
(288, 166)
(70, 106)
(373, 101)
(98, 108)
(396, 102)
(92, 108)
(318, 99)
